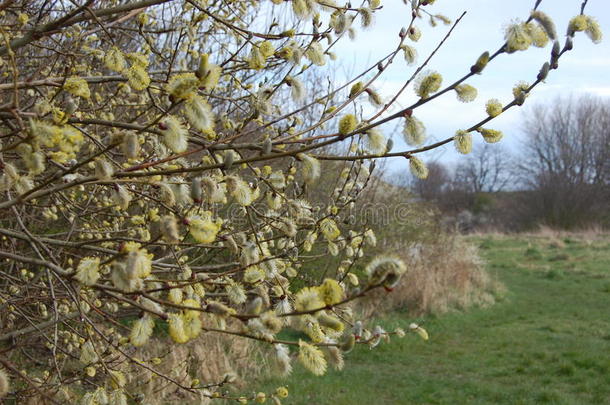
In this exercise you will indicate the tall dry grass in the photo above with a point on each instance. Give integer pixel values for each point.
(442, 275)
(208, 359)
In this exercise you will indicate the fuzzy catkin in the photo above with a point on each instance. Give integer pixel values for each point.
(410, 54)
(131, 145)
(490, 135)
(175, 136)
(428, 83)
(493, 107)
(545, 22)
(414, 131)
(347, 124)
(418, 168)
(463, 142)
(169, 229)
(312, 358)
(517, 37)
(311, 168)
(375, 142)
(199, 113)
(466, 93)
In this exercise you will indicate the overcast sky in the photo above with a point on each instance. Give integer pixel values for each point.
(586, 69)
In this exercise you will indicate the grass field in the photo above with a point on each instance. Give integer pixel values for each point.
(547, 341)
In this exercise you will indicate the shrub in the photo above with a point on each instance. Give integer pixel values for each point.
(156, 161)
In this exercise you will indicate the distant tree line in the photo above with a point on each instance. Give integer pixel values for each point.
(558, 177)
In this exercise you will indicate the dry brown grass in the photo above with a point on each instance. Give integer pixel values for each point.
(207, 358)
(442, 275)
(555, 237)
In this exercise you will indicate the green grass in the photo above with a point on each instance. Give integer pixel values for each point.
(546, 342)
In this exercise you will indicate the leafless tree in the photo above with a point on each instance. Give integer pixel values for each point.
(487, 170)
(565, 161)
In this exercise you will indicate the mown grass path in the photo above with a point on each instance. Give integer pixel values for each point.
(547, 341)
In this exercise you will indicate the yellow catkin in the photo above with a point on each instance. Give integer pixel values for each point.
(192, 324)
(356, 89)
(545, 22)
(374, 141)
(175, 136)
(77, 87)
(517, 37)
(466, 93)
(266, 48)
(182, 86)
(331, 292)
(138, 77)
(315, 54)
(87, 271)
(117, 379)
(141, 331)
(335, 357)
(428, 83)
(311, 168)
(520, 92)
(463, 142)
(114, 60)
(383, 266)
(419, 330)
(176, 328)
(331, 322)
(414, 34)
(414, 131)
(410, 54)
(208, 73)
(308, 299)
(312, 358)
(257, 59)
(418, 168)
(235, 292)
(490, 135)
(313, 330)
(347, 124)
(301, 9)
(239, 190)
(329, 229)
(169, 229)
(593, 30)
(577, 24)
(203, 229)
(493, 107)
(539, 37)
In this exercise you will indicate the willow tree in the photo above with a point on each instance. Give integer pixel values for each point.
(155, 164)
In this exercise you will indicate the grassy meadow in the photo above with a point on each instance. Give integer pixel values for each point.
(545, 341)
